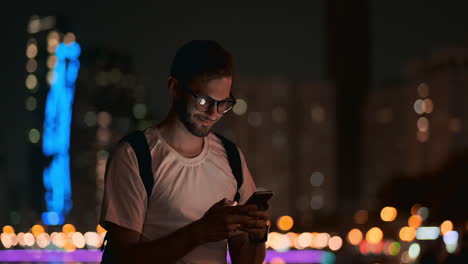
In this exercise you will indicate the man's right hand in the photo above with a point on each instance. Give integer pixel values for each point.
(222, 220)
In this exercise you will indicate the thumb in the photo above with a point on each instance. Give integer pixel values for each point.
(225, 202)
(228, 202)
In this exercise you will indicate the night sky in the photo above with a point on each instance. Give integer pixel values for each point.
(267, 38)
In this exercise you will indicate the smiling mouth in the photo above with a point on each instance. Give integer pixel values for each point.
(204, 121)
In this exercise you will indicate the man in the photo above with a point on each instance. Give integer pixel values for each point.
(190, 216)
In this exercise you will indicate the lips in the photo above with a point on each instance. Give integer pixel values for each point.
(205, 122)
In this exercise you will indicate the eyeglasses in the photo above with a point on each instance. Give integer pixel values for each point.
(203, 103)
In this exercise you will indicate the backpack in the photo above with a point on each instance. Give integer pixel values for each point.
(137, 141)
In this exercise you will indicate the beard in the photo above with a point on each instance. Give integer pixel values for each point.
(188, 119)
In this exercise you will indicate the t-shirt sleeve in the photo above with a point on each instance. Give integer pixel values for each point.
(125, 199)
(248, 185)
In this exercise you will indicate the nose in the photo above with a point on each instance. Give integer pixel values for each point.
(212, 112)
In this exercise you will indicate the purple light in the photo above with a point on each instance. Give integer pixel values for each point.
(82, 255)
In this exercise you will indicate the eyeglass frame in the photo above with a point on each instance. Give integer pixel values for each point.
(212, 101)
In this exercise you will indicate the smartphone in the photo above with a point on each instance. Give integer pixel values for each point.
(260, 198)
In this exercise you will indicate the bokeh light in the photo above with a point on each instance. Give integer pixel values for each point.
(31, 50)
(8, 229)
(36, 230)
(415, 221)
(355, 236)
(31, 103)
(104, 119)
(427, 233)
(415, 208)
(78, 240)
(407, 234)
(388, 214)
(419, 106)
(34, 135)
(43, 240)
(139, 111)
(320, 240)
(423, 212)
(446, 227)
(374, 235)
(428, 106)
(304, 240)
(285, 223)
(240, 107)
(335, 243)
(31, 81)
(361, 217)
(316, 179)
(423, 124)
(393, 248)
(68, 228)
(28, 239)
(31, 66)
(414, 250)
(423, 90)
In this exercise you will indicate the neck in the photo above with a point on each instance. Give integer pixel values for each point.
(179, 138)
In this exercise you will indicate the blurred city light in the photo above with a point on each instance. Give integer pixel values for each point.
(78, 240)
(428, 106)
(393, 248)
(414, 250)
(68, 229)
(31, 103)
(240, 107)
(316, 179)
(34, 136)
(31, 81)
(451, 241)
(139, 111)
(415, 208)
(361, 217)
(8, 229)
(56, 138)
(415, 221)
(320, 240)
(427, 233)
(355, 237)
(446, 226)
(419, 106)
(335, 243)
(279, 114)
(423, 212)
(285, 223)
(407, 234)
(388, 214)
(423, 90)
(374, 235)
(304, 240)
(36, 230)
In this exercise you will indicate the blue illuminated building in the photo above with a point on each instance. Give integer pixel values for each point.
(56, 135)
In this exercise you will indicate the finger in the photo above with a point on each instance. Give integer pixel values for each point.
(238, 219)
(260, 214)
(228, 202)
(243, 209)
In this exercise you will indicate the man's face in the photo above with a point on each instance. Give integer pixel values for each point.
(197, 122)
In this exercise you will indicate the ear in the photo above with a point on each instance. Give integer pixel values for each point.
(173, 84)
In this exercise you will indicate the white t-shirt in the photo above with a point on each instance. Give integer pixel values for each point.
(184, 189)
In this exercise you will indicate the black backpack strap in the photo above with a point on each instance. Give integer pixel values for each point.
(137, 141)
(234, 161)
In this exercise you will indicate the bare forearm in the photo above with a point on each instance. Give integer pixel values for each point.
(168, 249)
(252, 253)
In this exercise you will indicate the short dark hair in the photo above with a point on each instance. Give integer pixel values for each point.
(201, 58)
